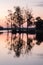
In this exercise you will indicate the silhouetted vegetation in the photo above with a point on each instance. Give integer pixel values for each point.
(17, 19)
(39, 28)
(1, 28)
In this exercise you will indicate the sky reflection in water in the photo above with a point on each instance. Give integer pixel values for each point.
(28, 56)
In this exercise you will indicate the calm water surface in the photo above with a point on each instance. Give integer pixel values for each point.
(7, 57)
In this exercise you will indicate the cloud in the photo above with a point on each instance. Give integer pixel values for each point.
(39, 4)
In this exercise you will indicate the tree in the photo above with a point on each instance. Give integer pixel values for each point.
(18, 17)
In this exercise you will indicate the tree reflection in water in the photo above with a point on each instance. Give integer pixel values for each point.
(19, 46)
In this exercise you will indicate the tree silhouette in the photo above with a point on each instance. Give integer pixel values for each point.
(39, 28)
(17, 19)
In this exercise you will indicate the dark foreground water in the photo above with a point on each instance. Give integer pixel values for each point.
(33, 56)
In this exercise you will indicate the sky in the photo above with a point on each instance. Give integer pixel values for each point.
(35, 5)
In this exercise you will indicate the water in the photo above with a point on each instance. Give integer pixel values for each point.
(33, 56)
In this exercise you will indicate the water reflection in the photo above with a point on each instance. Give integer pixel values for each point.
(20, 43)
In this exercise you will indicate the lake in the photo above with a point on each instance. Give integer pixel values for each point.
(32, 55)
